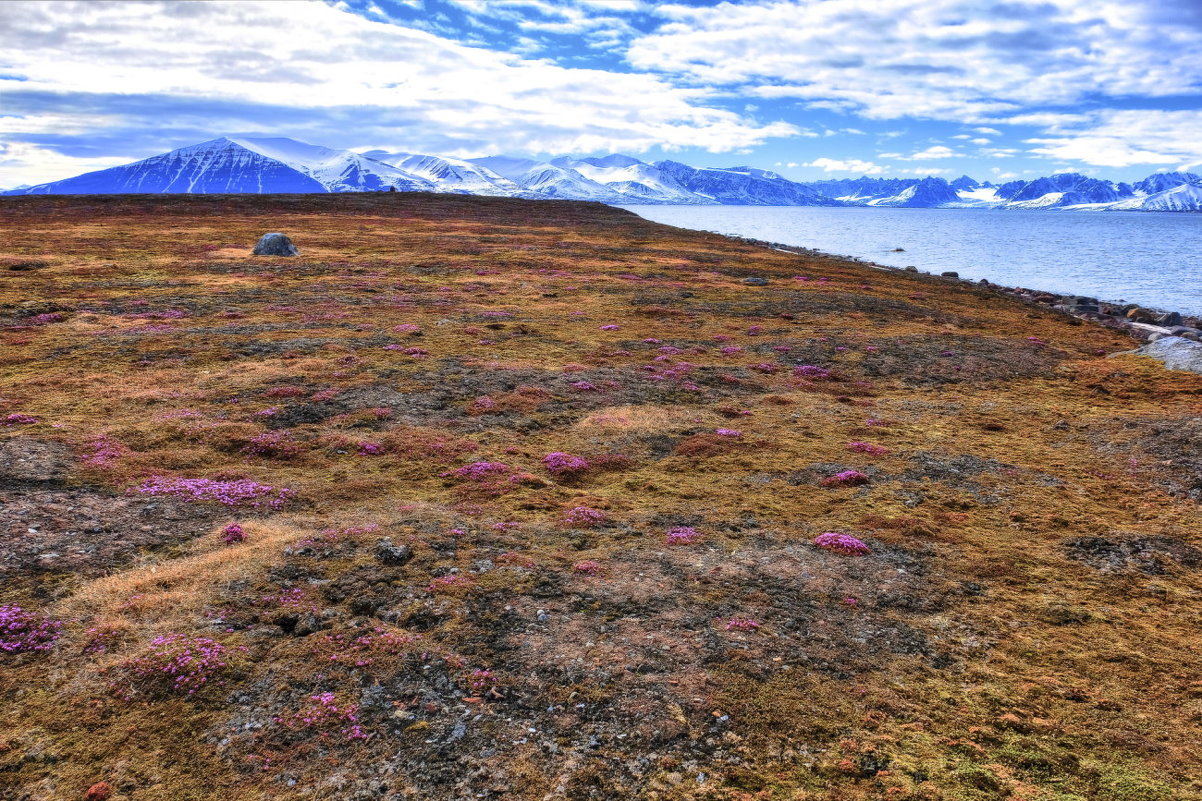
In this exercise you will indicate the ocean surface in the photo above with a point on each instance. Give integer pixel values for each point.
(1154, 259)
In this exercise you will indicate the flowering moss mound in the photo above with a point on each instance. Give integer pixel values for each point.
(489, 498)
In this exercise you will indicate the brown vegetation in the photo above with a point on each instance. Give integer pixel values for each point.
(398, 626)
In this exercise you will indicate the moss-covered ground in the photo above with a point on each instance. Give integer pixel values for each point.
(404, 625)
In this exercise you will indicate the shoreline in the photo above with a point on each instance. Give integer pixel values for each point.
(1145, 323)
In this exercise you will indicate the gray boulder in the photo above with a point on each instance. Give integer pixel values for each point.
(1177, 353)
(756, 281)
(275, 245)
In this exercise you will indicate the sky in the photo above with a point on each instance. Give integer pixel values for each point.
(813, 89)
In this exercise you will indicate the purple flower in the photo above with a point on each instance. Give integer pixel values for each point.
(184, 664)
(610, 327)
(233, 533)
(740, 623)
(479, 471)
(864, 447)
(21, 630)
(811, 371)
(728, 432)
(682, 535)
(587, 568)
(841, 543)
(846, 478)
(559, 463)
(242, 492)
(17, 419)
(104, 452)
(448, 583)
(273, 445)
(584, 516)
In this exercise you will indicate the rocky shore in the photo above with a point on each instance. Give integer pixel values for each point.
(1140, 322)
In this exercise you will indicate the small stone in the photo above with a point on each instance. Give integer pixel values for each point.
(950, 274)
(388, 553)
(275, 244)
(756, 281)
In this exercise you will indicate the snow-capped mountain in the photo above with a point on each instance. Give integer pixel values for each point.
(279, 165)
(1162, 181)
(553, 181)
(637, 181)
(451, 175)
(925, 194)
(227, 165)
(743, 186)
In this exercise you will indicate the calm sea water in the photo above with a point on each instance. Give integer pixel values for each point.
(1153, 259)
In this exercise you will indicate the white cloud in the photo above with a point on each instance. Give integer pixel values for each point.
(22, 163)
(933, 152)
(988, 131)
(926, 171)
(980, 140)
(960, 60)
(851, 165)
(1125, 138)
(395, 87)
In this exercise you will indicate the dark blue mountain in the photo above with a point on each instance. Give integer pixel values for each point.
(743, 186)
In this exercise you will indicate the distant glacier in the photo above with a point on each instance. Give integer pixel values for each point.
(280, 165)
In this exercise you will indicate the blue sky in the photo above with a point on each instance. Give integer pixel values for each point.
(997, 89)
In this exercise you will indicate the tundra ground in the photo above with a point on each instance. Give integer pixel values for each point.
(484, 498)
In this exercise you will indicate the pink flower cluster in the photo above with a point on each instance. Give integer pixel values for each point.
(242, 492)
(324, 713)
(232, 534)
(841, 543)
(682, 535)
(740, 623)
(47, 318)
(480, 471)
(812, 372)
(587, 568)
(483, 404)
(845, 478)
(17, 419)
(105, 451)
(864, 447)
(728, 432)
(562, 464)
(370, 449)
(364, 649)
(184, 664)
(448, 583)
(610, 327)
(21, 630)
(584, 516)
(482, 679)
(273, 445)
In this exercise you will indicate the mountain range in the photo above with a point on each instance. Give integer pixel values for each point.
(279, 165)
